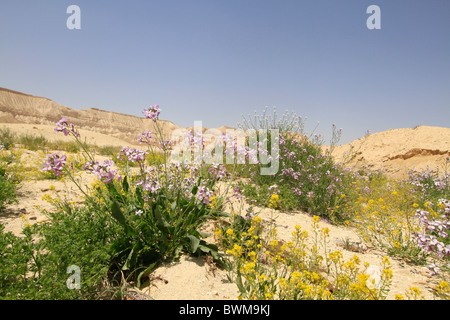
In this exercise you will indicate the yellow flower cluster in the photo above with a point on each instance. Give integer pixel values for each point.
(443, 290)
(385, 215)
(273, 269)
(274, 200)
(412, 293)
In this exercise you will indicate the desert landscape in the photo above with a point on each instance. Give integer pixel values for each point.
(394, 152)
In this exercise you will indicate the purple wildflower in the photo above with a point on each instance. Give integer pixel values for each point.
(103, 172)
(204, 195)
(55, 163)
(166, 144)
(218, 171)
(237, 193)
(152, 112)
(131, 154)
(145, 137)
(152, 186)
(66, 128)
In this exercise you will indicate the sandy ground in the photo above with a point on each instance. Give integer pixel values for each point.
(48, 131)
(195, 278)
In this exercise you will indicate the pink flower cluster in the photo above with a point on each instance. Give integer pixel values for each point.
(435, 231)
(55, 163)
(102, 171)
(145, 137)
(166, 144)
(152, 112)
(218, 171)
(131, 154)
(66, 128)
(204, 195)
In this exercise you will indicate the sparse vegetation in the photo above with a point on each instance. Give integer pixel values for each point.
(143, 210)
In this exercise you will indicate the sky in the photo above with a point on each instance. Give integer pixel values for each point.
(216, 61)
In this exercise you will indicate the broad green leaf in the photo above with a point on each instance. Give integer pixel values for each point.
(194, 242)
(160, 218)
(139, 197)
(132, 257)
(210, 248)
(117, 212)
(125, 184)
(146, 272)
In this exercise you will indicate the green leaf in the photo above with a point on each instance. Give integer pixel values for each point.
(139, 197)
(204, 234)
(222, 214)
(160, 219)
(210, 248)
(147, 271)
(125, 184)
(173, 207)
(132, 257)
(194, 242)
(116, 212)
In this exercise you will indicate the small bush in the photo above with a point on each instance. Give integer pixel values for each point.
(107, 150)
(158, 210)
(38, 269)
(32, 142)
(6, 138)
(432, 185)
(308, 179)
(7, 189)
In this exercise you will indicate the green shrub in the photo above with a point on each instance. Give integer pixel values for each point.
(307, 179)
(38, 269)
(108, 150)
(6, 138)
(157, 211)
(7, 189)
(32, 142)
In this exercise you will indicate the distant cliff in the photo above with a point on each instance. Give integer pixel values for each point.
(18, 107)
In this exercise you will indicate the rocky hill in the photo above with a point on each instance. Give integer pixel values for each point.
(17, 107)
(398, 150)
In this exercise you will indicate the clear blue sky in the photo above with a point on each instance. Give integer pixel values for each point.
(215, 60)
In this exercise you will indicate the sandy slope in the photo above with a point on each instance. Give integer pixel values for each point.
(47, 131)
(21, 108)
(398, 150)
